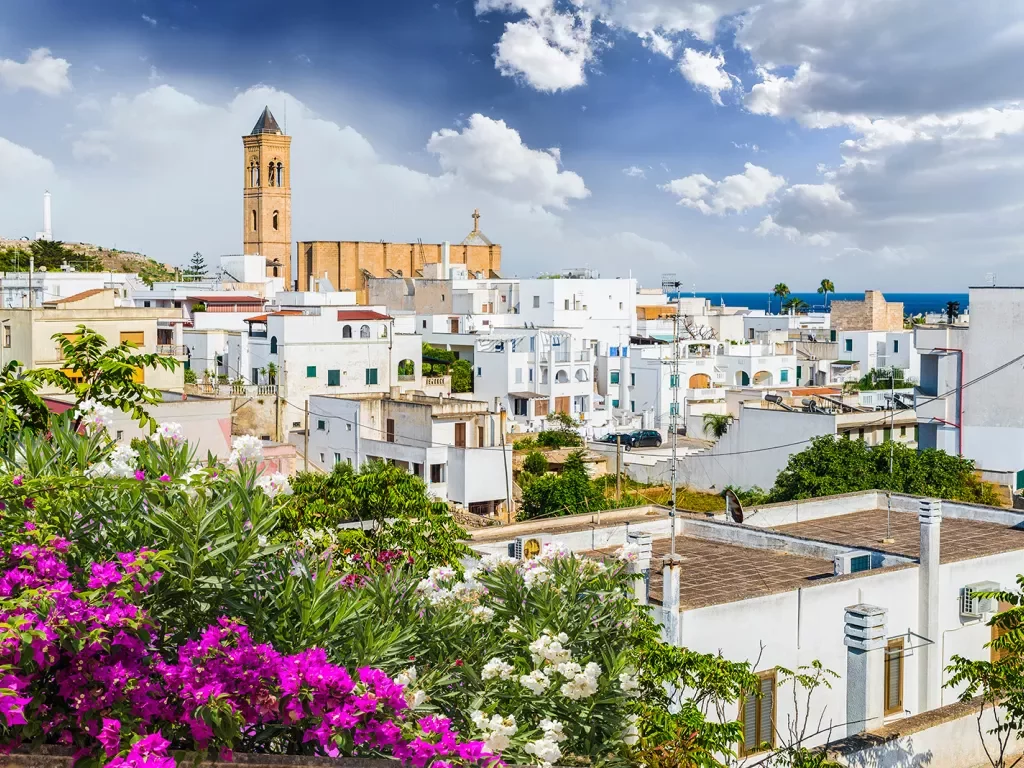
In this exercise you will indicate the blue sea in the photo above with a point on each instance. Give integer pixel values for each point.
(913, 303)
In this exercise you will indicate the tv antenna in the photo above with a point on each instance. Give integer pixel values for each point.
(670, 281)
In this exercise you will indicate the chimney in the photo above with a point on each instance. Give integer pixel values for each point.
(446, 260)
(670, 573)
(865, 668)
(642, 566)
(930, 665)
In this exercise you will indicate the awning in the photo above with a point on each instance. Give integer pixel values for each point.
(528, 395)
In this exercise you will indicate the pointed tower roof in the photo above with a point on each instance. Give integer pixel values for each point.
(266, 124)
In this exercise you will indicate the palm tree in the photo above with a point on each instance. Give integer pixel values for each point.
(716, 424)
(952, 311)
(796, 304)
(782, 291)
(826, 287)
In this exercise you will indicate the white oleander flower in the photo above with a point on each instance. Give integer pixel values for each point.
(496, 730)
(407, 676)
(629, 684)
(482, 613)
(245, 448)
(553, 551)
(535, 573)
(632, 734)
(276, 484)
(169, 431)
(496, 668)
(99, 469)
(545, 750)
(415, 697)
(629, 553)
(536, 682)
(95, 417)
(552, 730)
(550, 648)
(490, 562)
(579, 683)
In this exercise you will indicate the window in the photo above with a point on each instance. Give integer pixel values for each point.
(147, 304)
(437, 473)
(321, 458)
(348, 426)
(784, 375)
(273, 345)
(310, 371)
(620, 305)
(886, 434)
(632, 379)
(895, 345)
(757, 717)
(7, 336)
(337, 458)
(519, 375)
(334, 378)
(364, 332)
(566, 303)
(849, 345)
(894, 676)
(531, 374)
(424, 323)
(860, 433)
(220, 361)
(346, 332)
(533, 344)
(615, 403)
(390, 430)
(997, 632)
(519, 406)
(903, 431)
(321, 425)
(296, 424)
(274, 225)
(479, 371)
(371, 376)
(799, 373)
(136, 338)
(536, 302)
(632, 406)
(831, 335)
(120, 434)
(280, 175)
(460, 434)
(615, 377)
(253, 220)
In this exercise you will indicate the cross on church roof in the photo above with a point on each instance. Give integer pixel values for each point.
(476, 237)
(476, 220)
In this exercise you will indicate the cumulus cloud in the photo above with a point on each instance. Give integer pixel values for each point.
(634, 172)
(39, 72)
(489, 154)
(706, 71)
(751, 189)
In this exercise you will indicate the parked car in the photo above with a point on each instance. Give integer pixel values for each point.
(613, 437)
(644, 438)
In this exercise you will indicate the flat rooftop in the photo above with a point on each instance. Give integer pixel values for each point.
(959, 539)
(713, 573)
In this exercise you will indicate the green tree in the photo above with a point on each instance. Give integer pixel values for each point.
(715, 425)
(567, 493)
(462, 376)
(20, 406)
(196, 269)
(535, 463)
(437, 361)
(107, 375)
(826, 287)
(781, 290)
(153, 272)
(53, 254)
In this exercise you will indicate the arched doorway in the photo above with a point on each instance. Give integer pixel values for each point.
(742, 379)
(762, 379)
(700, 381)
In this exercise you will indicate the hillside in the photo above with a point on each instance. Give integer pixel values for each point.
(91, 257)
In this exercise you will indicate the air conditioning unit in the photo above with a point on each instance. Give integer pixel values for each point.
(854, 561)
(974, 607)
(527, 547)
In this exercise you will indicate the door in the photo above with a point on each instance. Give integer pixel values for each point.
(453, 324)
(460, 434)
(480, 436)
(562, 404)
(390, 430)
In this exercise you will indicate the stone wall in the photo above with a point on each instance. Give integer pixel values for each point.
(874, 313)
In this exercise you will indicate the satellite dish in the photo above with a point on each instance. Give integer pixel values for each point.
(733, 508)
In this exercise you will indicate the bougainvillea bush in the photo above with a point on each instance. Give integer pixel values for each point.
(151, 603)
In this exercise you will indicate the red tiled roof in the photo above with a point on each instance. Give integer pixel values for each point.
(279, 313)
(77, 296)
(361, 314)
(228, 299)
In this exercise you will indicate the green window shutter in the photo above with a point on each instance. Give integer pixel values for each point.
(371, 376)
(799, 373)
(886, 434)
(673, 381)
(615, 403)
(310, 371)
(334, 378)
(615, 377)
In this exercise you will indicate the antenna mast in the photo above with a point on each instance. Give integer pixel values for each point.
(669, 281)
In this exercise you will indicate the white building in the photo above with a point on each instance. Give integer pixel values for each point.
(758, 365)
(968, 399)
(880, 350)
(328, 350)
(881, 598)
(701, 379)
(455, 446)
(49, 286)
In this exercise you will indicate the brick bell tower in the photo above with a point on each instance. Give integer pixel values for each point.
(267, 197)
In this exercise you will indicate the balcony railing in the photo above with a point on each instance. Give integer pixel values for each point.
(171, 350)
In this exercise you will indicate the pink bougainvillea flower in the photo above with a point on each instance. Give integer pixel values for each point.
(17, 479)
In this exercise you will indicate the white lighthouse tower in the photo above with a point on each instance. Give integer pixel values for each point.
(47, 233)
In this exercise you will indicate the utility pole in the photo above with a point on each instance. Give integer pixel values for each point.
(305, 436)
(618, 467)
(669, 281)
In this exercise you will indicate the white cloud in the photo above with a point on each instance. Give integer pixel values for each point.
(635, 172)
(750, 189)
(549, 51)
(768, 226)
(39, 72)
(489, 154)
(149, 20)
(707, 72)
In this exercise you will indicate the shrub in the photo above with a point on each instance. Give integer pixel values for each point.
(535, 463)
(190, 376)
(558, 438)
(524, 444)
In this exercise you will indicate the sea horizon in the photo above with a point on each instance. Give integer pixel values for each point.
(913, 303)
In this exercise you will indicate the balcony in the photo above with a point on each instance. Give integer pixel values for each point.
(171, 350)
(709, 393)
(939, 409)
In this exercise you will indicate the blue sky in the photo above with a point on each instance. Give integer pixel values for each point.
(875, 142)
